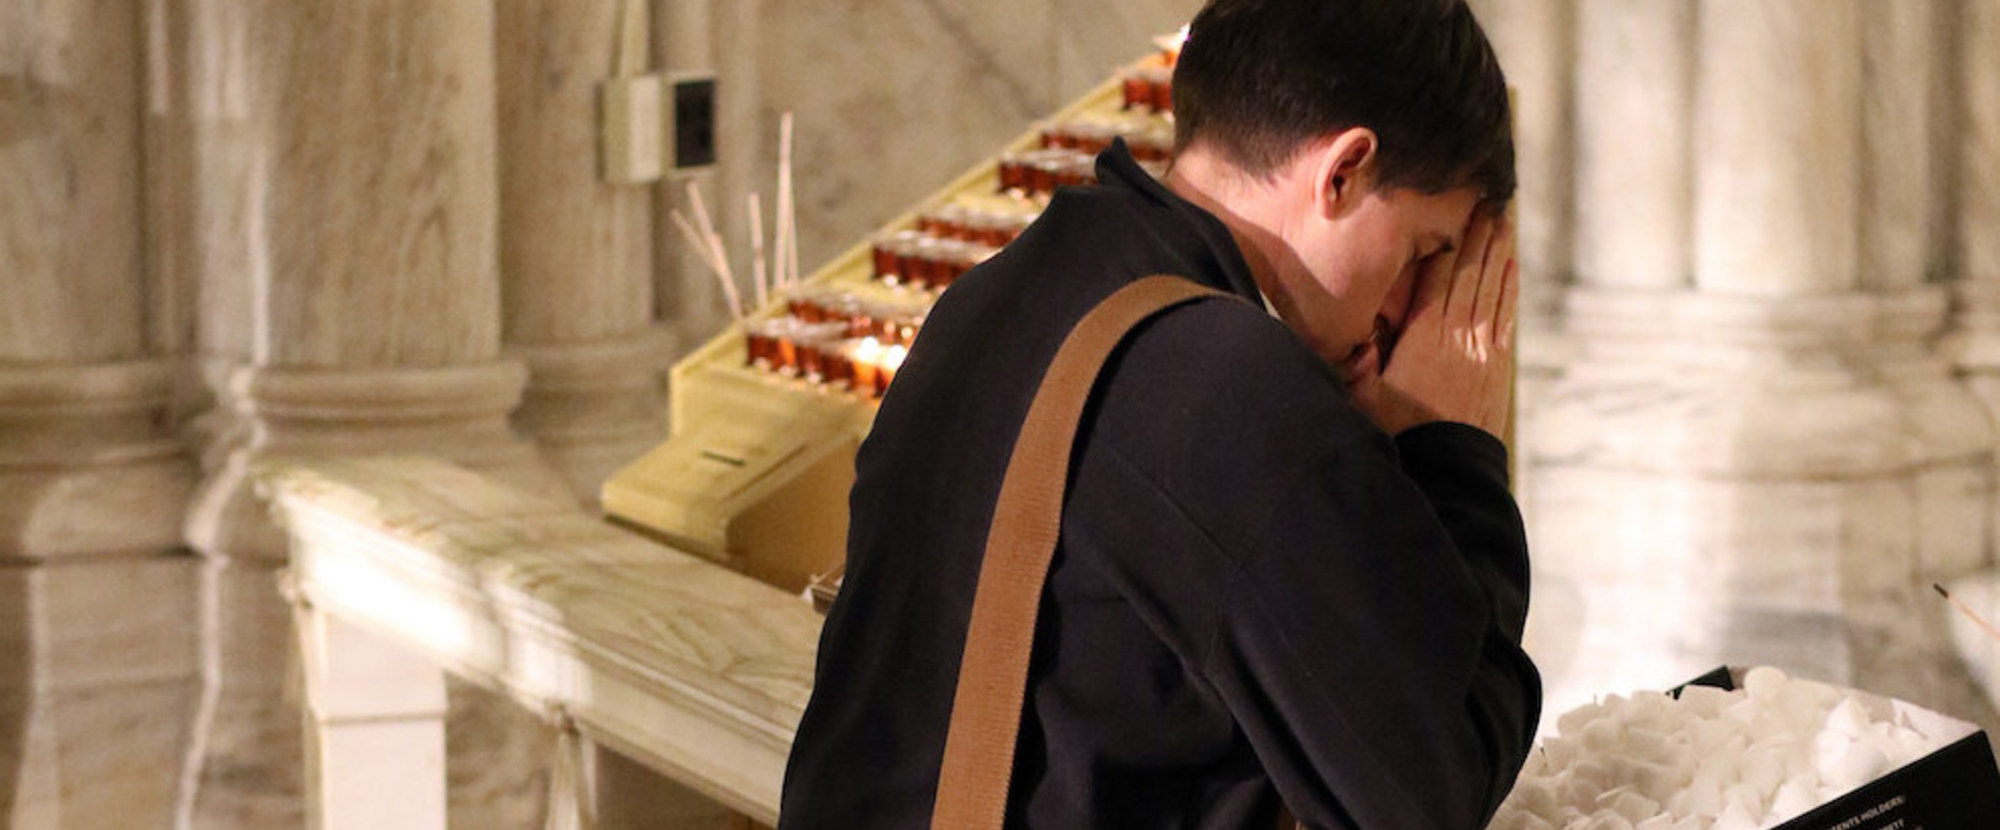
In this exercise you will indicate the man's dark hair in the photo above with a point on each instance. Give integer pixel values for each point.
(1258, 79)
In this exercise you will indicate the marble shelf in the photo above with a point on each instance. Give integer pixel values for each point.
(406, 567)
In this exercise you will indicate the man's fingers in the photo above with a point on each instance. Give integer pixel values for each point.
(1498, 255)
(1433, 289)
(1472, 251)
(1510, 300)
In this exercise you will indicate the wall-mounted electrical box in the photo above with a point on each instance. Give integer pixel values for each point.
(631, 130)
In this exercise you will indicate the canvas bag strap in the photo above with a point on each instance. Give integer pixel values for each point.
(993, 671)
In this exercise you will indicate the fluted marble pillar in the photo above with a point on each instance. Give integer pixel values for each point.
(1535, 42)
(1759, 455)
(369, 242)
(1777, 182)
(345, 183)
(97, 671)
(1635, 98)
(1975, 244)
(689, 302)
(85, 465)
(576, 252)
(97, 683)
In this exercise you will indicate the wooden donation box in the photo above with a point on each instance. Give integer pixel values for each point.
(767, 416)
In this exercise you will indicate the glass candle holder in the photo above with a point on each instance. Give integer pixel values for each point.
(892, 361)
(864, 357)
(1014, 171)
(1042, 171)
(784, 349)
(836, 367)
(1092, 137)
(761, 342)
(1137, 90)
(987, 228)
(1160, 87)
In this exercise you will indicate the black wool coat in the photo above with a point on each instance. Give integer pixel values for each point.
(1257, 596)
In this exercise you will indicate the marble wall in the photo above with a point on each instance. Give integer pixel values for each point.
(1758, 452)
(892, 101)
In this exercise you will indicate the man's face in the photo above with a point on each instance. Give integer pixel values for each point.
(1359, 264)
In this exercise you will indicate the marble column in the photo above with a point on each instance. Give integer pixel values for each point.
(689, 302)
(1536, 44)
(576, 252)
(96, 643)
(746, 133)
(85, 464)
(97, 681)
(368, 191)
(1759, 455)
(1975, 245)
(1634, 100)
(345, 181)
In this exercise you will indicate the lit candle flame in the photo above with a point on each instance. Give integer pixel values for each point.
(869, 350)
(892, 359)
(1170, 45)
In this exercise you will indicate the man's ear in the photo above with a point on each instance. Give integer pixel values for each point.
(1345, 169)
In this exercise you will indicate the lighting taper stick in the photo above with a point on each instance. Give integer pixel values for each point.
(694, 239)
(1968, 612)
(719, 269)
(757, 273)
(788, 224)
(707, 226)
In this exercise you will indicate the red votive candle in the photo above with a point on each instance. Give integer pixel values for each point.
(892, 360)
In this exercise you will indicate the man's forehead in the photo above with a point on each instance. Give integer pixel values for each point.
(1441, 214)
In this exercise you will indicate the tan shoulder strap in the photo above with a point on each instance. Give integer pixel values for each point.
(993, 672)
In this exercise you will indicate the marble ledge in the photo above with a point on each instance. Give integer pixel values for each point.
(692, 670)
(927, 89)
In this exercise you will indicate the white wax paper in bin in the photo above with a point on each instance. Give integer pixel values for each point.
(1717, 760)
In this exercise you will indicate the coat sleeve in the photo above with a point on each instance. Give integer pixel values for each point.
(1369, 637)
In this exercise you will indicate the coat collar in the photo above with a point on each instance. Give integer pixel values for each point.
(1209, 241)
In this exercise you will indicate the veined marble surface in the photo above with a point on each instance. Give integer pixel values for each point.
(660, 655)
(69, 184)
(893, 100)
(99, 682)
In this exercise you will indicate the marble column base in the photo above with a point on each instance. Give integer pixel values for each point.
(98, 688)
(1975, 351)
(245, 758)
(87, 465)
(457, 413)
(1744, 482)
(595, 407)
(215, 430)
